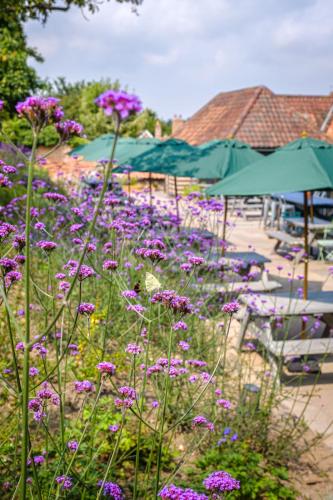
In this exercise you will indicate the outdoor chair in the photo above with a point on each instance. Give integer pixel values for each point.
(325, 245)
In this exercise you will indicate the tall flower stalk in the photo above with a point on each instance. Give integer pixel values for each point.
(27, 291)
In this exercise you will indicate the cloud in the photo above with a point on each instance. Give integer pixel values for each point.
(177, 54)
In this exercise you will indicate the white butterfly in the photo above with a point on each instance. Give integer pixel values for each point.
(152, 283)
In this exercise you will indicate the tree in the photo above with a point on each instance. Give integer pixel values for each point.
(41, 9)
(17, 78)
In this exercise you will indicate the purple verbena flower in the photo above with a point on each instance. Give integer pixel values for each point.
(231, 307)
(40, 111)
(219, 482)
(172, 492)
(106, 367)
(86, 308)
(72, 445)
(84, 386)
(134, 349)
(68, 129)
(119, 102)
(48, 246)
(110, 265)
(66, 482)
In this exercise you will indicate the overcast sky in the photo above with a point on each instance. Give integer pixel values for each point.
(178, 54)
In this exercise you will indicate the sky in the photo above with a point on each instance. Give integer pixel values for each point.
(178, 54)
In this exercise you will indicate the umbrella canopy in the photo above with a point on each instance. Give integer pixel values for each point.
(303, 165)
(223, 158)
(127, 148)
(171, 157)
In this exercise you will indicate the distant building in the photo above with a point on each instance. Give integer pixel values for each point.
(260, 117)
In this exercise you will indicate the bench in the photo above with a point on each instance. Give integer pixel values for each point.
(286, 341)
(238, 287)
(283, 237)
(325, 248)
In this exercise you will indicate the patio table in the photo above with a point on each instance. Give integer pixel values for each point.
(245, 259)
(283, 306)
(316, 225)
(297, 199)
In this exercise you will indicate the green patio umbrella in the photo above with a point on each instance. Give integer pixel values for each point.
(171, 157)
(126, 149)
(98, 149)
(223, 158)
(302, 165)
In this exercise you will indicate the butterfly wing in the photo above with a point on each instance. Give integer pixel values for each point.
(152, 283)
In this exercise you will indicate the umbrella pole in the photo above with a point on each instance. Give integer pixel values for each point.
(150, 190)
(306, 246)
(311, 207)
(224, 229)
(176, 197)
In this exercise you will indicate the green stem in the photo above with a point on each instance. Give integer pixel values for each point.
(25, 381)
(90, 230)
(112, 457)
(161, 433)
(12, 346)
(137, 455)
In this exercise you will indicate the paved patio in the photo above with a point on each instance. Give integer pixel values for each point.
(318, 413)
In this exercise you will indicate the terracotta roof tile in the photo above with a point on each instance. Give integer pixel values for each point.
(257, 116)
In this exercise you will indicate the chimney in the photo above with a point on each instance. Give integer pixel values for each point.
(158, 130)
(177, 123)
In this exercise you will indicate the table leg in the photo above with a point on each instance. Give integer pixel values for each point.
(243, 328)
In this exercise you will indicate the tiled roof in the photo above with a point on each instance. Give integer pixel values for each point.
(259, 117)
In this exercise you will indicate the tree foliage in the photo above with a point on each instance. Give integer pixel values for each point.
(17, 78)
(41, 9)
(77, 100)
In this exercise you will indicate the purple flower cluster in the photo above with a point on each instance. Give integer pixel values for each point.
(84, 271)
(134, 349)
(231, 307)
(195, 260)
(128, 396)
(84, 386)
(106, 367)
(180, 325)
(8, 264)
(6, 229)
(72, 445)
(40, 111)
(48, 246)
(111, 490)
(129, 294)
(154, 254)
(110, 265)
(173, 492)
(12, 277)
(38, 404)
(9, 169)
(86, 308)
(55, 197)
(66, 482)
(119, 102)
(224, 403)
(200, 421)
(4, 181)
(155, 243)
(68, 129)
(177, 303)
(219, 482)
